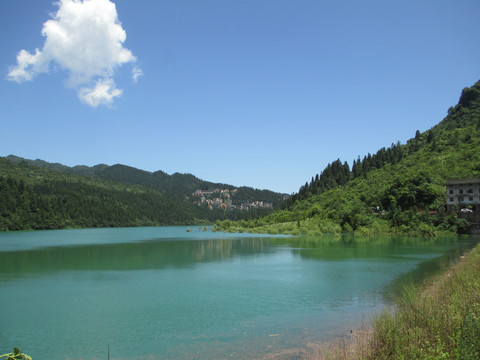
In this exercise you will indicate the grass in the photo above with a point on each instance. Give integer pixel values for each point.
(440, 320)
(317, 225)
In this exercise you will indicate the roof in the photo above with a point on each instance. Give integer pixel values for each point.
(463, 181)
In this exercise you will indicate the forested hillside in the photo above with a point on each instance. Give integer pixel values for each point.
(176, 186)
(35, 194)
(37, 198)
(398, 189)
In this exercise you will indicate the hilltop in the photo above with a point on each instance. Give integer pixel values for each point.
(36, 194)
(177, 186)
(398, 189)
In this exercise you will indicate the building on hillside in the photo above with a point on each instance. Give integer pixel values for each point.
(464, 195)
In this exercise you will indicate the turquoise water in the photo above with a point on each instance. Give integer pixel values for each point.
(165, 293)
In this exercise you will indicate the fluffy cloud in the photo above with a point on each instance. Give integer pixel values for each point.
(102, 94)
(84, 38)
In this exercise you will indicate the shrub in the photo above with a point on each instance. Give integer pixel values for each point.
(16, 355)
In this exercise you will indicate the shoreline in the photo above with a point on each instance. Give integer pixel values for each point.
(367, 341)
(376, 340)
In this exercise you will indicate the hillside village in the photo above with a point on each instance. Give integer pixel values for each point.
(224, 199)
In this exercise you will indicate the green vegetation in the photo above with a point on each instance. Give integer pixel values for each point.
(39, 195)
(16, 355)
(400, 189)
(436, 320)
(177, 186)
(440, 322)
(37, 198)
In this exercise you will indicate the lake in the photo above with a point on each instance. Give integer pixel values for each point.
(169, 293)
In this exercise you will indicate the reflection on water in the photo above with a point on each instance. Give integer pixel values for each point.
(126, 256)
(429, 255)
(162, 293)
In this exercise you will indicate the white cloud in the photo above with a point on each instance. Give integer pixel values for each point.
(136, 73)
(26, 62)
(84, 38)
(102, 94)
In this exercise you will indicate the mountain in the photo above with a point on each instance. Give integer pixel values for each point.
(177, 186)
(398, 189)
(35, 194)
(34, 197)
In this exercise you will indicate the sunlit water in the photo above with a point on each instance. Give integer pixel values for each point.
(165, 293)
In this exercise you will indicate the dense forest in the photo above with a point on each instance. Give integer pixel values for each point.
(176, 186)
(36, 198)
(47, 197)
(398, 189)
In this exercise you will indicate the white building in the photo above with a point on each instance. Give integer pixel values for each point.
(464, 194)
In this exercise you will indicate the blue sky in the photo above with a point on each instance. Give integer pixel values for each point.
(260, 93)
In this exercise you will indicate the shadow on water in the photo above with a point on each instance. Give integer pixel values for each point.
(425, 270)
(128, 256)
(347, 246)
(430, 256)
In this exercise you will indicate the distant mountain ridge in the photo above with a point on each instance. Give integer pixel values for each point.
(177, 186)
(38, 195)
(78, 170)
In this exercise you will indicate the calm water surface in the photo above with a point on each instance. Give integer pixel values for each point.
(165, 293)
